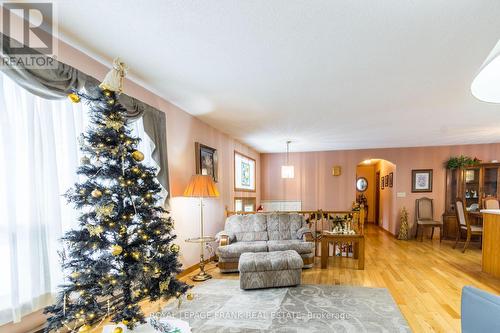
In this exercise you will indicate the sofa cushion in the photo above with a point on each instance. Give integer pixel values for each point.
(297, 245)
(246, 228)
(270, 261)
(282, 226)
(236, 249)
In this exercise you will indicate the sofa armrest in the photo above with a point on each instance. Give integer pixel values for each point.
(305, 234)
(308, 237)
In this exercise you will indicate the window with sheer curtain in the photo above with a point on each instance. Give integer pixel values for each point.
(39, 155)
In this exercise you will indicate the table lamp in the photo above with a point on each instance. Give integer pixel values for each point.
(201, 186)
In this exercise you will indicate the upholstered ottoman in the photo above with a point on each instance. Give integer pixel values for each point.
(270, 269)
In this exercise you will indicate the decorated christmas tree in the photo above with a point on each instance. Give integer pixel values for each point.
(122, 251)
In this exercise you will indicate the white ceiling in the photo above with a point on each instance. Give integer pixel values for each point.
(331, 74)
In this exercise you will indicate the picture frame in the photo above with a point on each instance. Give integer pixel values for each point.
(206, 161)
(386, 178)
(382, 182)
(469, 176)
(336, 170)
(391, 179)
(421, 180)
(244, 173)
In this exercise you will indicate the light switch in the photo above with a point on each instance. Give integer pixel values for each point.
(401, 194)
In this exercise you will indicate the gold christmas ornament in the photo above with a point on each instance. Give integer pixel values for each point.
(74, 275)
(85, 329)
(106, 93)
(135, 169)
(74, 98)
(116, 250)
(175, 248)
(125, 322)
(137, 155)
(118, 330)
(190, 297)
(96, 193)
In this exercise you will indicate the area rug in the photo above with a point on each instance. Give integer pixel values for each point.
(221, 306)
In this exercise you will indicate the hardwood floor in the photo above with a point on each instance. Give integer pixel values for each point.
(424, 278)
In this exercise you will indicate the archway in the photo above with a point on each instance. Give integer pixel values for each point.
(380, 193)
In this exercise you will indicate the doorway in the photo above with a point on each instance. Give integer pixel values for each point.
(380, 193)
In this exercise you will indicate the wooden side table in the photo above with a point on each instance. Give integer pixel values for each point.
(358, 244)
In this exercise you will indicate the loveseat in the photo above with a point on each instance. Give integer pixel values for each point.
(263, 232)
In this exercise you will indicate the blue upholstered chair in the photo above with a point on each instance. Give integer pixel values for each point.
(480, 311)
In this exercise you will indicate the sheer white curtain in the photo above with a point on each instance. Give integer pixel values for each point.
(38, 158)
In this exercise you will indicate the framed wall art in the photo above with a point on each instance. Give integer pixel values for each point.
(206, 161)
(421, 180)
(244, 173)
(391, 179)
(382, 182)
(386, 180)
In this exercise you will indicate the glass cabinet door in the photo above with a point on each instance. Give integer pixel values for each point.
(471, 180)
(490, 185)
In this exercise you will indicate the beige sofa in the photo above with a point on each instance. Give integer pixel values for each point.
(263, 232)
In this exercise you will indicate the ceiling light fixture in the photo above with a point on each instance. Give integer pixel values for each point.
(486, 84)
(287, 171)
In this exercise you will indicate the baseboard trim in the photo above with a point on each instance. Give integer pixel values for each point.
(386, 231)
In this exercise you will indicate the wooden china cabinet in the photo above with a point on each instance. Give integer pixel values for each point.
(472, 185)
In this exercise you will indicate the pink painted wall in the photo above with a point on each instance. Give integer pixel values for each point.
(315, 186)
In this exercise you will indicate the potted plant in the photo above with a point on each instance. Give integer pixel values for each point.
(461, 162)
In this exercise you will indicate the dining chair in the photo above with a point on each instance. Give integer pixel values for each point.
(463, 223)
(424, 217)
(491, 203)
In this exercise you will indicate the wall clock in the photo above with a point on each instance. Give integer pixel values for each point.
(361, 184)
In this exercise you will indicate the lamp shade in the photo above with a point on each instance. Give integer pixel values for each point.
(486, 84)
(201, 186)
